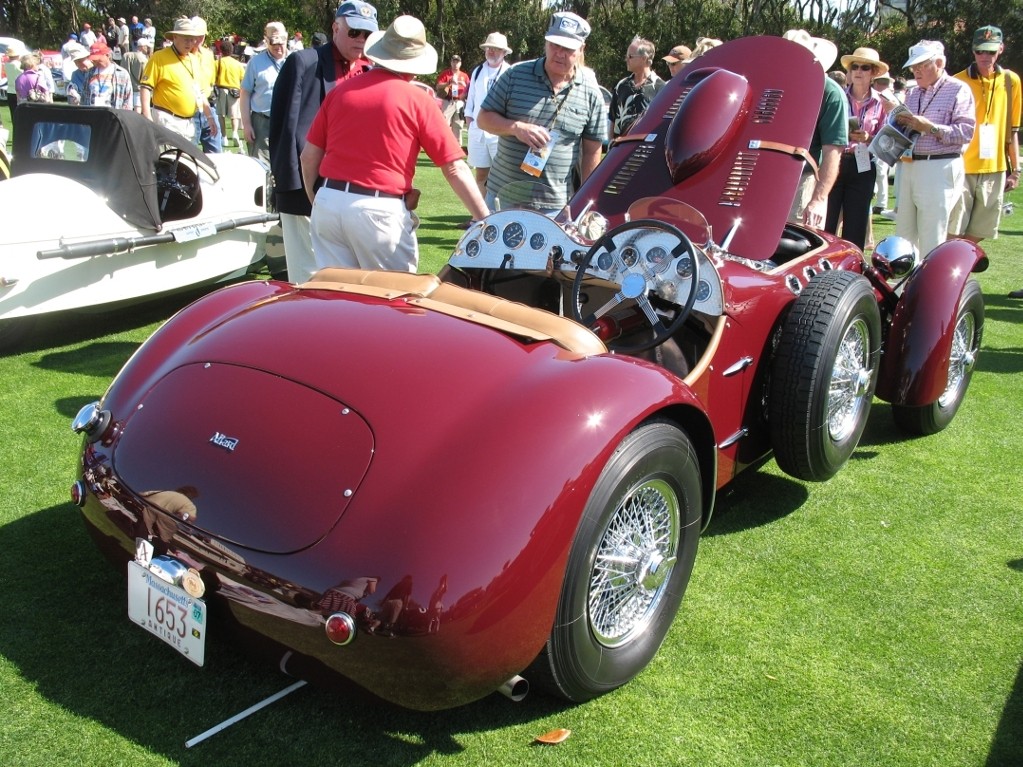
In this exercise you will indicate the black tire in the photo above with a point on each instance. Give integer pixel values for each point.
(969, 327)
(628, 568)
(823, 375)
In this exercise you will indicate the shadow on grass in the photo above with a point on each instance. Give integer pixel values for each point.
(754, 499)
(1007, 743)
(64, 628)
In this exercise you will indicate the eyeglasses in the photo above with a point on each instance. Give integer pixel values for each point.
(357, 33)
(985, 53)
(861, 67)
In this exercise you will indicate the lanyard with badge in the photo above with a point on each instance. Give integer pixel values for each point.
(987, 138)
(536, 159)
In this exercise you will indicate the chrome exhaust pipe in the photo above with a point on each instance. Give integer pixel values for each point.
(515, 688)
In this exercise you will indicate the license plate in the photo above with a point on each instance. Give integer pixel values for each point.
(168, 612)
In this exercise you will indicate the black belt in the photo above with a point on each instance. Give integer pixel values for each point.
(265, 116)
(174, 114)
(348, 186)
(946, 156)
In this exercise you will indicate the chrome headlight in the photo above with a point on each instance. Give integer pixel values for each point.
(895, 257)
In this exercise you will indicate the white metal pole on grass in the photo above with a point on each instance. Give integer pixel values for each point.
(238, 717)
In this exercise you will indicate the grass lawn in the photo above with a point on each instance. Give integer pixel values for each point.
(872, 620)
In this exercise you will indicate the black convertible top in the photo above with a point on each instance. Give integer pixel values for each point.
(115, 152)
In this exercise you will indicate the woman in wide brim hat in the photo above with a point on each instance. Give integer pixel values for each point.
(863, 56)
(852, 195)
(402, 48)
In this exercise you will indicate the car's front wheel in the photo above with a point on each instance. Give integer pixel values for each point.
(932, 418)
(628, 568)
(823, 375)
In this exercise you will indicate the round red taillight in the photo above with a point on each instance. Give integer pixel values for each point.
(78, 493)
(340, 628)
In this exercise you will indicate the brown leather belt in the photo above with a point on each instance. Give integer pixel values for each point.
(348, 186)
(174, 114)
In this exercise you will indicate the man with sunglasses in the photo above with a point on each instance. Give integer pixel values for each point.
(992, 158)
(305, 79)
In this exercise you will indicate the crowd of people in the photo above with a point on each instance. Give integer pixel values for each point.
(542, 120)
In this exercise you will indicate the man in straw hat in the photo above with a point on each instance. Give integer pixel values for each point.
(482, 146)
(171, 89)
(305, 79)
(362, 215)
(830, 136)
(941, 110)
(853, 191)
(549, 115)
(991, 159)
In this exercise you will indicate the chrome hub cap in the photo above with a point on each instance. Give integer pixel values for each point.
(962, 360)
(850, 381)
(633, 562)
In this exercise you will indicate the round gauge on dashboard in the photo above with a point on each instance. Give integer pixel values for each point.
(490, 233)
(657, 257)
(472, 248)
(605, 261)
(703, 291)
(537, 240)
(514, 235)
(630, 256)
(684, 267)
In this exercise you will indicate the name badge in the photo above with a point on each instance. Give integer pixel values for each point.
(987, 141)
(536, 159)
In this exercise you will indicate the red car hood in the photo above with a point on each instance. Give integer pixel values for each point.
(728, 150)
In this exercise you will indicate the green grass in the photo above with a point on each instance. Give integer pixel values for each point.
(871, 620)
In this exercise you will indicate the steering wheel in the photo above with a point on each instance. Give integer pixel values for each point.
(638, 281)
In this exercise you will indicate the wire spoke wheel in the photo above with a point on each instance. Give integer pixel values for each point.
(633, 562)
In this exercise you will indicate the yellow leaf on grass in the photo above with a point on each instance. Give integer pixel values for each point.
(554, 737)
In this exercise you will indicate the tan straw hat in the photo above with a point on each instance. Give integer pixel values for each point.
(866, 56)
(496, 40)
(186, 27)
(402, 47)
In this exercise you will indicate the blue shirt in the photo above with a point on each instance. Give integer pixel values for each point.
(260, 76)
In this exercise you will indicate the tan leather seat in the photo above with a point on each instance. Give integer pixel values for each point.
(428, 291)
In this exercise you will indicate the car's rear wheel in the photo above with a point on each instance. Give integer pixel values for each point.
(628, 567)
(932, 418)
(823, 375)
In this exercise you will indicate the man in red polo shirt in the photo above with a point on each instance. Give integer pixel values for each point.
(361, 216)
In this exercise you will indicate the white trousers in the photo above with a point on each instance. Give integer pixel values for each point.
(927, 193)
(363, 232)
(298, 247)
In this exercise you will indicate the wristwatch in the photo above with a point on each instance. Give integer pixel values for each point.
(934, 130)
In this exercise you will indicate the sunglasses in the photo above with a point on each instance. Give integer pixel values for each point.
(985, 53)
(862, 67)
(357, 33)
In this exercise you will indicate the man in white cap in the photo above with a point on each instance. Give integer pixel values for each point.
(77, 79)
(482, 146)
(941, 115)
(549, 115)
(258, 87)
(364, 143)
(830, 136)
(305, 79)
(991, 160)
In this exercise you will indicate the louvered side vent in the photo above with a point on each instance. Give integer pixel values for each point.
(738, 180)
(673, 109)
(629, 168)
(767, 107)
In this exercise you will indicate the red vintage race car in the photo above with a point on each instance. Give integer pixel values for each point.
(441, 486)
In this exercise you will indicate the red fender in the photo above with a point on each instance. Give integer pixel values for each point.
(914, 366)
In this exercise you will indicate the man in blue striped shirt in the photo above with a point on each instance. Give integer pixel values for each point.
(549, 116)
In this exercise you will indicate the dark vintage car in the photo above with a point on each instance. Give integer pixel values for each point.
(442, 486)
